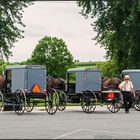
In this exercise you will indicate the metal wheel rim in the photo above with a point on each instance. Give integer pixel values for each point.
(52, 102)
(113, 108)
(29, 105)
(19, 100)
(88, 105)
(62, 101)
(137, 106)
(1, 101)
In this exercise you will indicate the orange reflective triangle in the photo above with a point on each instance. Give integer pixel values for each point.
(36, 88)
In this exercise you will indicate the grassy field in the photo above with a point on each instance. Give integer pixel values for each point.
(89, 64)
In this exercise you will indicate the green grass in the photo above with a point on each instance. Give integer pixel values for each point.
(73, 104)
(89, 64)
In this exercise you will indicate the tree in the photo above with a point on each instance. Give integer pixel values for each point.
(118, 25)
(10, 20)
(2, 66)
(53, 53)
(108, 69)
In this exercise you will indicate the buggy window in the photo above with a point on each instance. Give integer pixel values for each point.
(8, 76)
(71, 80)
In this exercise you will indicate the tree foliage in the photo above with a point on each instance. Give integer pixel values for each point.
(117, 23)
(10, 21)
(2, 66)
(108, 69)
(53, 53)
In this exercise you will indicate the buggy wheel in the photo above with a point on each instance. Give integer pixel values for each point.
(88, 102)
(137, 103)
(29, 104)
(19, 100)
(137, 107)
(52, 102)
(1, 101)
(114, 106)
(62, 100)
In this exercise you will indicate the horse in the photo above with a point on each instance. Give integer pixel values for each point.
(56, 83)
(110, 83)
(2, 82)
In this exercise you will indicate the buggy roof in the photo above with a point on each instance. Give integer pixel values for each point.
(130, 70)
(24, 67)
(72, 70)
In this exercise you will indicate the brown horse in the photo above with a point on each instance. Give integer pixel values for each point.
(110, 83)
(2, 82)
(56, 83)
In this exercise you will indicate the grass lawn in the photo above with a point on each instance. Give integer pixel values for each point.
(89, 64)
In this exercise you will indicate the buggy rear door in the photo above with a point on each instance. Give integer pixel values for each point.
(93, 81)
(80, 82)
(36, 76)
(18, 79)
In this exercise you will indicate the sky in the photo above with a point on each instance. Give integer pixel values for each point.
(59, 19)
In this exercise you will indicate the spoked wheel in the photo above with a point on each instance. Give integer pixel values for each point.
(52, 102)
(88, 102)
(114, 106)
(1, 101)
(29, 104)
(137, 107)
(137, 103)
(62, 100)
(19, 100)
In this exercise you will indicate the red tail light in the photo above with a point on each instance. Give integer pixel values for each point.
(46, 92)
(111, 95)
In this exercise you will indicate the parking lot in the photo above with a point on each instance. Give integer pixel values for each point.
(72, 123)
